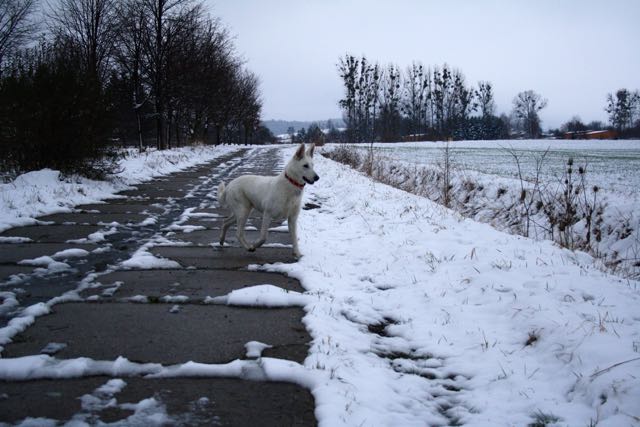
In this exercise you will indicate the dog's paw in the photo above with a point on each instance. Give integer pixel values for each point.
(297, 255)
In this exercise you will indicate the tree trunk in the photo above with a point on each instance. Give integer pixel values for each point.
(139, 121)
(218, 132)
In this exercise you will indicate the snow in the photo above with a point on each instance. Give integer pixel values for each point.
(184, 228)
(47, 367)
(53, 348)
(14, 239)
(96, 237)
(260, 296)
(9, 302)
(486, 187)
(46, 191)
(417, 316)
(422, 316)
(144, 260)
(48, 264)
(70, 253)
(184, 217)
(255, 349)
(21, 322)
(148, 221)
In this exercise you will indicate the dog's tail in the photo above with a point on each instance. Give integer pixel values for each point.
(221, 195)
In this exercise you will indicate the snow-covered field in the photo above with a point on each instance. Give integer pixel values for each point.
(486, 187)
(613, 165)
(418, 317)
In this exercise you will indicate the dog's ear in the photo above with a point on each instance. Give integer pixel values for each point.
(300, 153)
(310, 150)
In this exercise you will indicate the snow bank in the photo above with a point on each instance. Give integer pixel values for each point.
(46, 191)
(424, 317)
(263, 369)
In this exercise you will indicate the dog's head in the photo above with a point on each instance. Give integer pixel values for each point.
(301, 165)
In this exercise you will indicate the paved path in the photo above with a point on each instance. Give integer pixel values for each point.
(180, 212)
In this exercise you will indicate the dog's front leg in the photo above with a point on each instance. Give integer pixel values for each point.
(264, 229)
(292, 222)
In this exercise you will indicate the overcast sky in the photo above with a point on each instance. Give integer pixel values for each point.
(571, 52)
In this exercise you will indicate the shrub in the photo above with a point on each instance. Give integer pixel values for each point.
(345, 154)
(53, 115)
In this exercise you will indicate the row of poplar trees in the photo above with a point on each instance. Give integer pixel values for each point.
(107, 73)
(387, 104)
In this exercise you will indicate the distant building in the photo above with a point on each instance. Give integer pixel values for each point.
(284, 138)
(415, 137)
(591, 134)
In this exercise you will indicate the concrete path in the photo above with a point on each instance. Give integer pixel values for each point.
(172, 325)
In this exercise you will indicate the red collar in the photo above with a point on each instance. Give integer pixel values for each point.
(292, 181)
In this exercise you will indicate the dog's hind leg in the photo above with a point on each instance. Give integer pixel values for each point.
(264, 229)
(228, 222)
(241, 221)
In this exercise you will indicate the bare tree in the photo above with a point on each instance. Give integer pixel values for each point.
(526, 106)
(484, 95)
(15, 27)
(461, 104)
(622, 108)
(573, 125)
(362, 81)
(249, 104)
(91, 26)
(130, 57)
(163, 22)
(415, 96)
(348, 71)
(390, 93)
(441, 98)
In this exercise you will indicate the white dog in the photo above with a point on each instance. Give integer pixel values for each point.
(277, 197)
